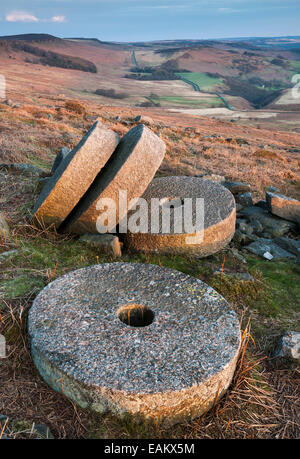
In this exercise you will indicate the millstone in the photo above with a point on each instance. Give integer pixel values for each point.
(74, 175)
(219, 217)
(130, 169)
(135, 339)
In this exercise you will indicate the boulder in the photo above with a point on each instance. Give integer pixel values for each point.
(286, 243)
(106, 243)
(272, 225)
(237, 187)
(264, 246)
(283, 206)
(144, 120)
(245, 199)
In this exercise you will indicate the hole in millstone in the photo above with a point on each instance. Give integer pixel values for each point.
(135, 315)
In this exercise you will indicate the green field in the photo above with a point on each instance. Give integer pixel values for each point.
(204, 81)
(193, 103)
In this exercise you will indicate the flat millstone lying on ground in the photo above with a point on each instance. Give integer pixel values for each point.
(283, 206)
(74, 175)
(219, 217)
(171, 370)
(130, 169)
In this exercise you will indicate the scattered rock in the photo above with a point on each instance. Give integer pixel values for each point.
(59, 158)
(275, 226)
(242, 276)
(9, 254)
(264, 246)
(106, 243)
(283, 206)
(214, 178)
(252, 211)
(286, 243)
(237, 187)
(245, 199)
(289, 346)
(144, 120)
(23, 169)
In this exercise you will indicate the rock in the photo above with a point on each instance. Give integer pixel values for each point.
(243, 238)
(273, 189)
(8, 102)
(242, 276)
(9, 254)
(23, 169)
(289, 346)
(214, 178)
(275, 226)
(237, 187)
(138, 339)
(286, 243)
(244, 227)
(252, 211)
(131, 169)
(245, 199)
(75, 175)
(262, 204)
(284, 207)
(4, 229)
(219, 218)
(144, 120)
(256, 226)
(106, 243)
(59, 158)
(263, 246)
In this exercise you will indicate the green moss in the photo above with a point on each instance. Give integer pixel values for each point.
(20, 286)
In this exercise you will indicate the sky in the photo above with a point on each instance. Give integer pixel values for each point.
(146, 20)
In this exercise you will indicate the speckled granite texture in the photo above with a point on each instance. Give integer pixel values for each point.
(169, 371)
(74, 175)
(219, 217)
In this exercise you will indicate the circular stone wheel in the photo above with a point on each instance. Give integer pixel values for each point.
(219, 217)
(135, 339)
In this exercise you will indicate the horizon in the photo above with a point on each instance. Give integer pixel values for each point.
(144, 20)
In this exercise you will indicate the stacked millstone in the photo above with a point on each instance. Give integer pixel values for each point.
(102, 167)
(135, 339)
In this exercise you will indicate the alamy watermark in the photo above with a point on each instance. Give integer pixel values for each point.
(161, 216)
(2, 347)
(2, 87)
(296, 88)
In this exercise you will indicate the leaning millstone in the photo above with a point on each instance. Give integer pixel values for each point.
(286, 243)
(218, 213)
(284, 207)
(263, 246)
(135, 339)
(289, 345)
(75, 175)
(130, 170)
(106, 243)
(59, 158)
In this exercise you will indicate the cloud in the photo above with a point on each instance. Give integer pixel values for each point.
(21, 16)
(58, 19)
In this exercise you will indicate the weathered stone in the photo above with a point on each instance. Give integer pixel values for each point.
(244, 238)
(130, 169)
(106, 243)
(75, 175)
(286, 243)
(273, 225)
(219, 217)
(59, 158)
(214, 178)
(252, 211)
(284, 207)
(244, 227)
(4, 229)
(262, 246)
(23, 169)
(134, 338)
(289, 346)
(241, 276)
(237, 187)
(245, 199)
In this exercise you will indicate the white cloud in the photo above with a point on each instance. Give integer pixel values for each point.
(58, 19)
(21, 16)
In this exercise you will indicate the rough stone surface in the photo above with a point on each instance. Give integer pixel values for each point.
(284, 207)
(286, 243)
(271, 224)
(59, 158)
(237, 187)
(245, 199)
(144, 120)
(23, 169)
(219, 217)
(262, 246)
(172, 370)
(75, 175)
(289, 345)
(106, 243)
(130, 169)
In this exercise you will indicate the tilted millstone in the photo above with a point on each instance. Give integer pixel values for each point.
(130, 169)
(219, 217)
(74, 175)
(136, 339)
